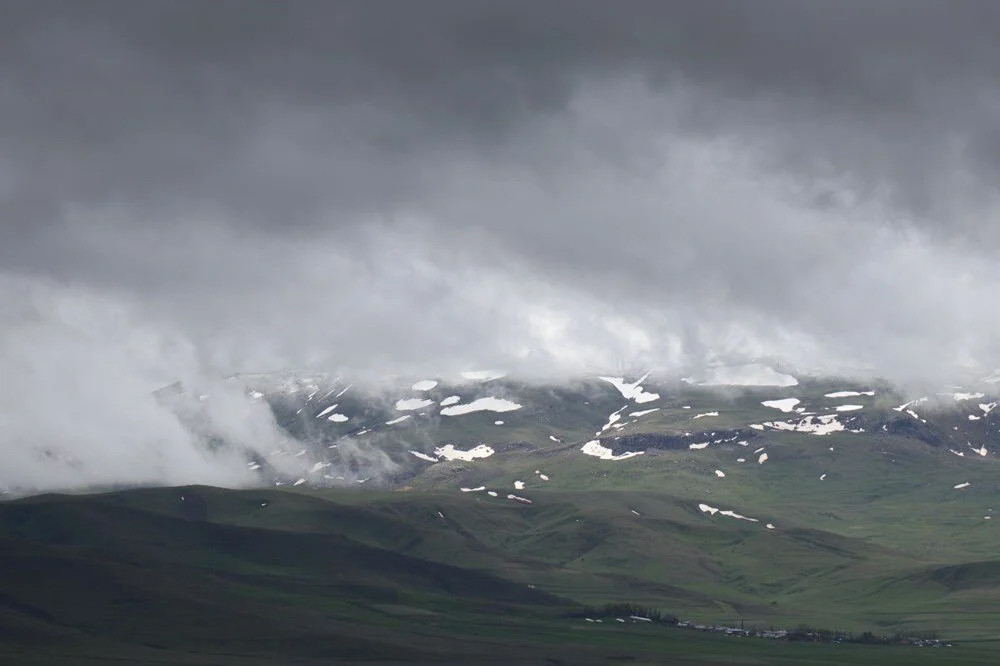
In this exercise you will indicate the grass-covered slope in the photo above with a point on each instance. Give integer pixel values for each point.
(202, 575)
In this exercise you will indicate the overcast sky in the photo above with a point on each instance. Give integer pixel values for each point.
(190, 189)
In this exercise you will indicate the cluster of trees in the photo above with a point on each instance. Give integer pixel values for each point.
(804, 632)
(626, 609)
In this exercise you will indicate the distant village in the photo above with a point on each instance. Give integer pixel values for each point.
(633, 614)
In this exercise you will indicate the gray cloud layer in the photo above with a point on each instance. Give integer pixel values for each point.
(554, 186)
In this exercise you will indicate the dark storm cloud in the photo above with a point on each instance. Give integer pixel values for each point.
(153, 102)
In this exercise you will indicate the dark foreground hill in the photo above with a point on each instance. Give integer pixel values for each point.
(206, 576)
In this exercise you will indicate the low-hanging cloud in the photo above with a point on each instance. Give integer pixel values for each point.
(191, 190)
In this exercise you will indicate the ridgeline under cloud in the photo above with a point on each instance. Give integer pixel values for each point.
(190, 190)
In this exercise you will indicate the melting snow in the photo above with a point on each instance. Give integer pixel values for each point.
(519, 485)
(817, 425)
(612, 418)
(733, 514)
(424, 385)
(327, 411)
(473, 490)
(450, 400)
(848, 394)
(491, 493)
(644, 412)
(318, 466)
(398, 420)
(849, 408)
(699, 445)
(762, 459)
(410, 404)
(698, 416)
(523, 500)
(730, 514)
(480, 405)
(299, 482)
(785, 405)
(554, 439)
(962, 485)
(336, 418)
(967, 396)
(635, 512)
(987, 407)
(633, 391)
(910, 404)
(594, 448)
(822, 476)
(449, 452)
(498, 423)
(719, 473)
(424, 456)
(770, 526)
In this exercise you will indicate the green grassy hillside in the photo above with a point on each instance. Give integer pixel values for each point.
(203, 575)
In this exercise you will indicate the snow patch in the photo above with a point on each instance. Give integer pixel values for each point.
(450, 400)
(643, 412)
(481, 405)
(849, 408)
(424, 385)
(594, 448)
(785, 404)
(816, 425)
(410, 404)
(612, 419)
(449, 452)
(848, 394)
(424, 456)
(962, 485)
(633, 391)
